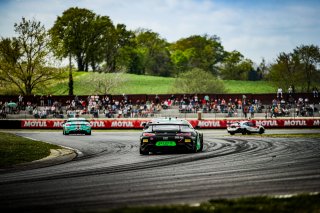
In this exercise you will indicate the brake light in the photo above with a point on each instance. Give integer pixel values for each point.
(184, 134)
(148, 134)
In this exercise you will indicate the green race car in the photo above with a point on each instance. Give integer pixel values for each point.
(76, 126)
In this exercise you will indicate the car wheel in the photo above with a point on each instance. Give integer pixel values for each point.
(144, 152)
(243, 131)
(194, 148)
(261, 131)
(231, 133)
(89, 133)
(201, 144)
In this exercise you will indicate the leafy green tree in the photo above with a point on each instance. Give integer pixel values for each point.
(99, 38)
(198, 81)
(309, 58)
(117, 48)
(299, 68)
(235, 67)
(286, 71)
(263, 69)
(24, 60)
(153, 52)
(134, 61)
(204, 52)
(83, 35)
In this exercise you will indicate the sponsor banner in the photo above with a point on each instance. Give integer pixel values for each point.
(95, 124)
(202, 124)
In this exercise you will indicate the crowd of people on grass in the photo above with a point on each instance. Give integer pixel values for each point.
(109, 107)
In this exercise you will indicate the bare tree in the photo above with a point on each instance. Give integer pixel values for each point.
(104, 83)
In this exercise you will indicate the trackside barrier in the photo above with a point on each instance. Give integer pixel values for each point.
(203, 124)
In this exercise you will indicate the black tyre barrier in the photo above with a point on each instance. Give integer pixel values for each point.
(10, 124)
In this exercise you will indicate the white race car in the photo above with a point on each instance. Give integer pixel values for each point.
(244, 127)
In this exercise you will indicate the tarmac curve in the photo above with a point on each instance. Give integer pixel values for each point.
(110, 173)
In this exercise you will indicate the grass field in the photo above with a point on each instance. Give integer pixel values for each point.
(141, 84)
(15, 150)
(263, 204)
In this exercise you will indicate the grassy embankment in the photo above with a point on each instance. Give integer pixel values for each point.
(141, 84)
(262, 204)
(15, 150)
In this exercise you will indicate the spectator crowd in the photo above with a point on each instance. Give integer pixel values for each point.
(110, 107)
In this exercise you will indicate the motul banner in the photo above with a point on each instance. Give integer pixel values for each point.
(137, 124)
(95, 124)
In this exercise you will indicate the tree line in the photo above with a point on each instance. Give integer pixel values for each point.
(95, 44)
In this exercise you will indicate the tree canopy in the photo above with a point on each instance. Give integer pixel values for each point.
(95, 44)
(198, 81)
(24, 59)
(299, 68)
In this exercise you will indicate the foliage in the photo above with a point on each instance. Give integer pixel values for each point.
(309, 58)
(299, 68)
(235, 67)
(116, 48)
(81, 34)
(151, 55)
(24, 59)
(204, 52)
(263, 204)
(198, 81)
(102, 83)
(286, 71)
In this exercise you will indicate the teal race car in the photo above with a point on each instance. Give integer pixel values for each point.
(76, 126)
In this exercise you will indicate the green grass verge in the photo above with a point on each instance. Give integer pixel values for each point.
(295, 204)
(15, 150)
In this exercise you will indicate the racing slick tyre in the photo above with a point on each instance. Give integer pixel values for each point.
(194, 148)
(261, 131)
(231, 133)
(244, 132)
(144, 152)
(89, 133)
(201, 144)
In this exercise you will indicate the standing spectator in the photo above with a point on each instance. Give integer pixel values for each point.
(49, 100)
(157, 99)
(20, 102)
(41, 100)
(315, 92)
(206, 97)
(245, 111)
(290, 90)
(251, 110)
(279, 93)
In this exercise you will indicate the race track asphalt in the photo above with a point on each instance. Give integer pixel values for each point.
(109, 172)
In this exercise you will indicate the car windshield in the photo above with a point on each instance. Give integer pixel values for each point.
(78, 121)
(169, 127)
